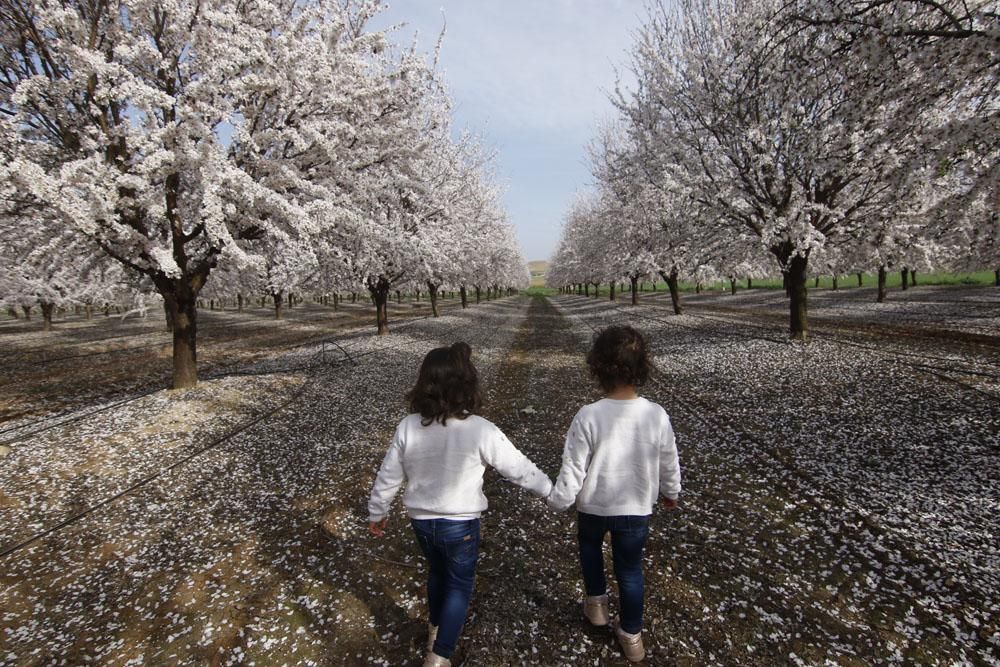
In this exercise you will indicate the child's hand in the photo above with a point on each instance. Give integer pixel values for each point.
(377, 528)
(669, 503)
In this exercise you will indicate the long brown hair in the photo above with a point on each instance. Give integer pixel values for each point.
(447, 385)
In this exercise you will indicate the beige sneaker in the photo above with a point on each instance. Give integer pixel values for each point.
(434, 660)
(631, 645)
(432, 634)
(595, 608)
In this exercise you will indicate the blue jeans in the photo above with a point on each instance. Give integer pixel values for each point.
(628, 537)
(452, 549)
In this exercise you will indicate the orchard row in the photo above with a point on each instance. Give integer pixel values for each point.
(178, 152)
(821, 137)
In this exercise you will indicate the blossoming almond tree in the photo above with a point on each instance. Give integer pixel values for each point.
(170, 132)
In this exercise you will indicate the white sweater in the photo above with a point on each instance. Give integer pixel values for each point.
(619, 455)
(443, 468)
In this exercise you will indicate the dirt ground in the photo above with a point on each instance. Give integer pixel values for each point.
(819, 524)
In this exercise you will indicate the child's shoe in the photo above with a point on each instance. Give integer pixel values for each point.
(432, 633)
(631, 645)
(434, 660)
(595, 608)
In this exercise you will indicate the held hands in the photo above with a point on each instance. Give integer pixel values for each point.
(668, 503)
(377, 528)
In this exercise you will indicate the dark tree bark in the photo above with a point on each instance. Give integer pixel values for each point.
(586, 289)
(239, 302)
(996, 278)
(836, 281)
(732, 285)
(597, 290)
(432, 289)
(478, 294)
(749, 283)
(904, 274)
(633, 283)
(379, 289)
(860, 276)
(913, 278)
(611, 291)
(354, 297)
(464, 294)
(27, 312)
(279, 301)
(181, 298)
(816, 284)
(795, 267)
(797, 296)
(167, 312)
(336, 301)
(399, 296)
(881, 284)
(47, 308)
(673, 285)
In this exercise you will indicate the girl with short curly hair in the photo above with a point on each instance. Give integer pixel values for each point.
(620, 454)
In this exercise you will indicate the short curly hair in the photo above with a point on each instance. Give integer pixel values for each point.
(618, 357)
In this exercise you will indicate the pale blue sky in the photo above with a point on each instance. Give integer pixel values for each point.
(531, 77)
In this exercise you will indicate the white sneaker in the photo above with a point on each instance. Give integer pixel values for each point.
(434, 660)
(631, 645)
(595, 608)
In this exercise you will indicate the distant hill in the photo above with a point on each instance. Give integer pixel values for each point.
(538, 270)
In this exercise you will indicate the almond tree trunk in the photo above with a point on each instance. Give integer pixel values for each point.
(432, 289)
(905, 276)
(464, 293)
(379, 289)
(47, 308)
(181, 300)
(881, 284)
(732, 285)
(749, 283)
(797, 296)
(633, 282)
(239, 302)
(996, 278)
(478, 294)
(611, 291)
(27, 312)
(278, 303)
(860, 276)
(836, 281)
(795, 267)
(913, 278)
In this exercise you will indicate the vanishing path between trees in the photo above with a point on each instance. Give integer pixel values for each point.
(770, 560)
(817, 523)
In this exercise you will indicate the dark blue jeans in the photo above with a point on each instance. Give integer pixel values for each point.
(452, 549)
(628, 537)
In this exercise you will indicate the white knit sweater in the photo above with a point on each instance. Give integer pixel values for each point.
(443, 468)
(619, 455)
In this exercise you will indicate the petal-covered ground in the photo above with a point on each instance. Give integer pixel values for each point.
(840, 507)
